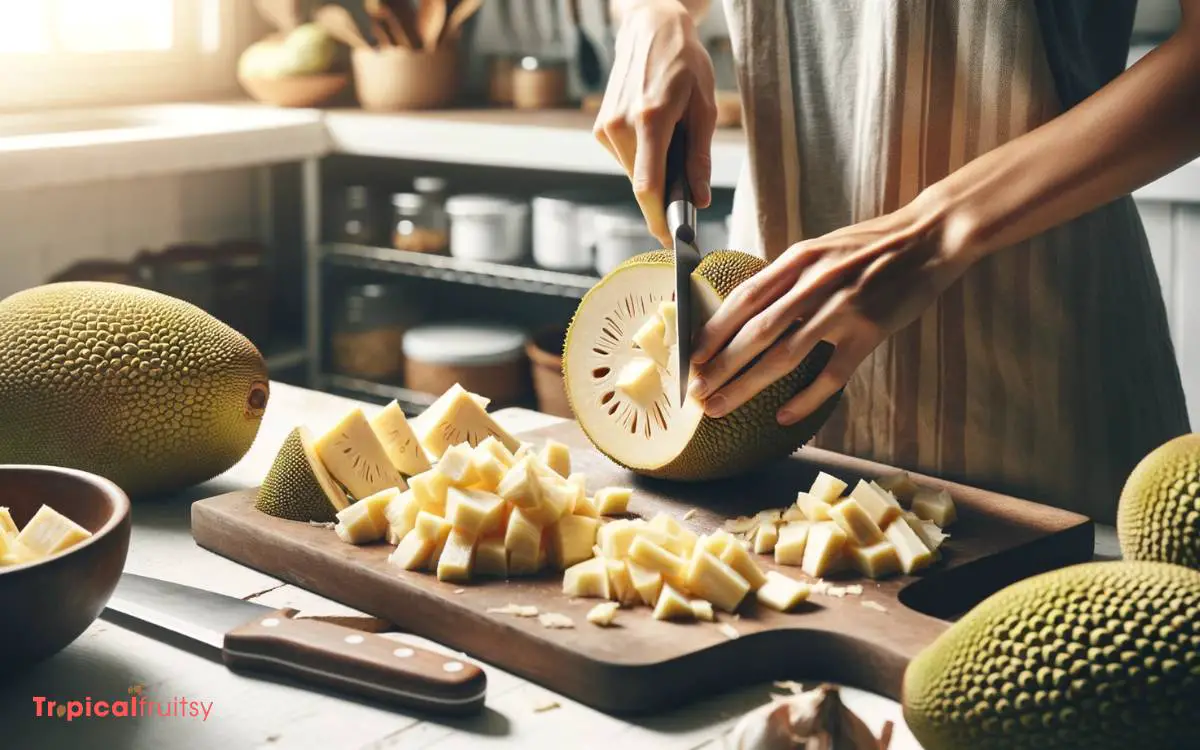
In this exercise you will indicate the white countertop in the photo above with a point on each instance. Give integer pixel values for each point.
(58, 148)
(252, 713)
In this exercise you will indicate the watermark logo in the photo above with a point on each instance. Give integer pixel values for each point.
(136, 705)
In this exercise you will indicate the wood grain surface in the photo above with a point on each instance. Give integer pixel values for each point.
(643, 665)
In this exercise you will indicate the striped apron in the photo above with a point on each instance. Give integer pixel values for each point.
(1047, 371)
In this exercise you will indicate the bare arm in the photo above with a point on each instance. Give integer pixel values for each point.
(1136, 129)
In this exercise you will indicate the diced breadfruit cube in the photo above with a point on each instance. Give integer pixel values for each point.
(50, 532)
(711, 579)
(401, 514)
(935, 505)
(489, 469)
(877, 502)
(639, 379)
(587, 579)
(556, 455)
(813, 508)
(672, 605)
(430, 490)
(850, 516)
(616, 538)
(602, 614)
(651, 338)
(454, 564)
(456, 464)
(413, 551)
(765, 539)
(901, 485)
(702, 610)
(647, 582)
(365, 521)
(491, 559)
(474, 512)
(823, 549)
(620, 583)
(827, 488)
(913, 553)
(782, 593)
(741, 560)
(793, 539)
(654, 557)
(521, 485)
(523, 541)
(613, 500)
(877, 561)
(571, 540)
(669, 313)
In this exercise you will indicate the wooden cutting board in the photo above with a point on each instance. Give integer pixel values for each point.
(644, 665)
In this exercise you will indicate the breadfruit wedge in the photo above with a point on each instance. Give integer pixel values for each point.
(398, 440)
(658, 436)
(298, 487)
(355, 457)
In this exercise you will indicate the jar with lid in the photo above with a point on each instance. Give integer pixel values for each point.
(539, 83)
(368, 332)
(485, 358)
(620, 233)
(418, 224)
(489, 228)
(354, 220)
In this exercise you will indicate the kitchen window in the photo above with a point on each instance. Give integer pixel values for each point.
(61, 52)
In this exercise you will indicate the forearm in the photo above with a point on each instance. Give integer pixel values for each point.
(697, 9)
(1141, 126)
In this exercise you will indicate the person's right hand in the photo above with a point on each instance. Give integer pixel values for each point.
(661, 76)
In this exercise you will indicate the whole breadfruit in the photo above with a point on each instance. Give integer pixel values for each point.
(1158, 518)
(144, 389)
(1103, 656)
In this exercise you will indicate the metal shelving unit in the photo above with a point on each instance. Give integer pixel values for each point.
(407, 398)
(446, 268)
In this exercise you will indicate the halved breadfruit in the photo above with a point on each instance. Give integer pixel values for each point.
(1158, 518)
(298, 487)
(661, 438)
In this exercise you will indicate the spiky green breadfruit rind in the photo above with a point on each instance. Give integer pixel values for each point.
(749, 437)
(1099, 656)
(1158, 518)
(144, 389)
(293, 488)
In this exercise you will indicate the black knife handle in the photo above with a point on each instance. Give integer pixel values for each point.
(343, 659)
(677, 187)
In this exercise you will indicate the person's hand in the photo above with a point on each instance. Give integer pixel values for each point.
(852, 288)
(661, 76)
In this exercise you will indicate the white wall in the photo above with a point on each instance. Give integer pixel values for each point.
(43, 231)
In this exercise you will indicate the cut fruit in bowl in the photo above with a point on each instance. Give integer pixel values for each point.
(619, 364)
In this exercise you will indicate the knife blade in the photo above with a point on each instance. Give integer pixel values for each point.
(681, 221)
(254, 637)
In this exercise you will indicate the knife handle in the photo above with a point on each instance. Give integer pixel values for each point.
(677, 187)
(351, 661)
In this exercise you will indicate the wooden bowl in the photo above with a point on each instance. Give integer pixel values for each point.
(47, 604)
(393, 79)
(295, 91)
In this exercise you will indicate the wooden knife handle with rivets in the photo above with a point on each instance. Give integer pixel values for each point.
(350, 661)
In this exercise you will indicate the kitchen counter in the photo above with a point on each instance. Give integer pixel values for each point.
(79, 146)
(109, 661)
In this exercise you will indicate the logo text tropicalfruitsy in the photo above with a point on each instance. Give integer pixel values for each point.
(134, 707)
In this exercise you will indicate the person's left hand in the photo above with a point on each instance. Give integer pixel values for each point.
(852, 288)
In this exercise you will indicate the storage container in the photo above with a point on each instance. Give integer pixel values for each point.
(539, 83)
(620, 233)
(488, 228)
(353, 216)
(563, 235)
(485, 358)
(545, 354)
(500, 79)
(418, 224)
(392, 79)
(367, 336)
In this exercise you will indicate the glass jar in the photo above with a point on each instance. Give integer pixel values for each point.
(367, 340)
(434, 190)
(417, 224)
(354, 218)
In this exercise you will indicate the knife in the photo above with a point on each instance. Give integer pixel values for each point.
(681, 221)
(255, 637)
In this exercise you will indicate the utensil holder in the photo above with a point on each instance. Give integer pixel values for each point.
(396, 78)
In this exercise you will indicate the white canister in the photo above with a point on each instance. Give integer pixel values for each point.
(621, 233)
(489, 228)
(563, 234)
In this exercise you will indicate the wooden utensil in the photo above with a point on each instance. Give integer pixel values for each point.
(406, 19)
(461, 13)
(381, 14)
(379, 30)
(281, 14)
(431, 20)
(341, 26)
(645, 666)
